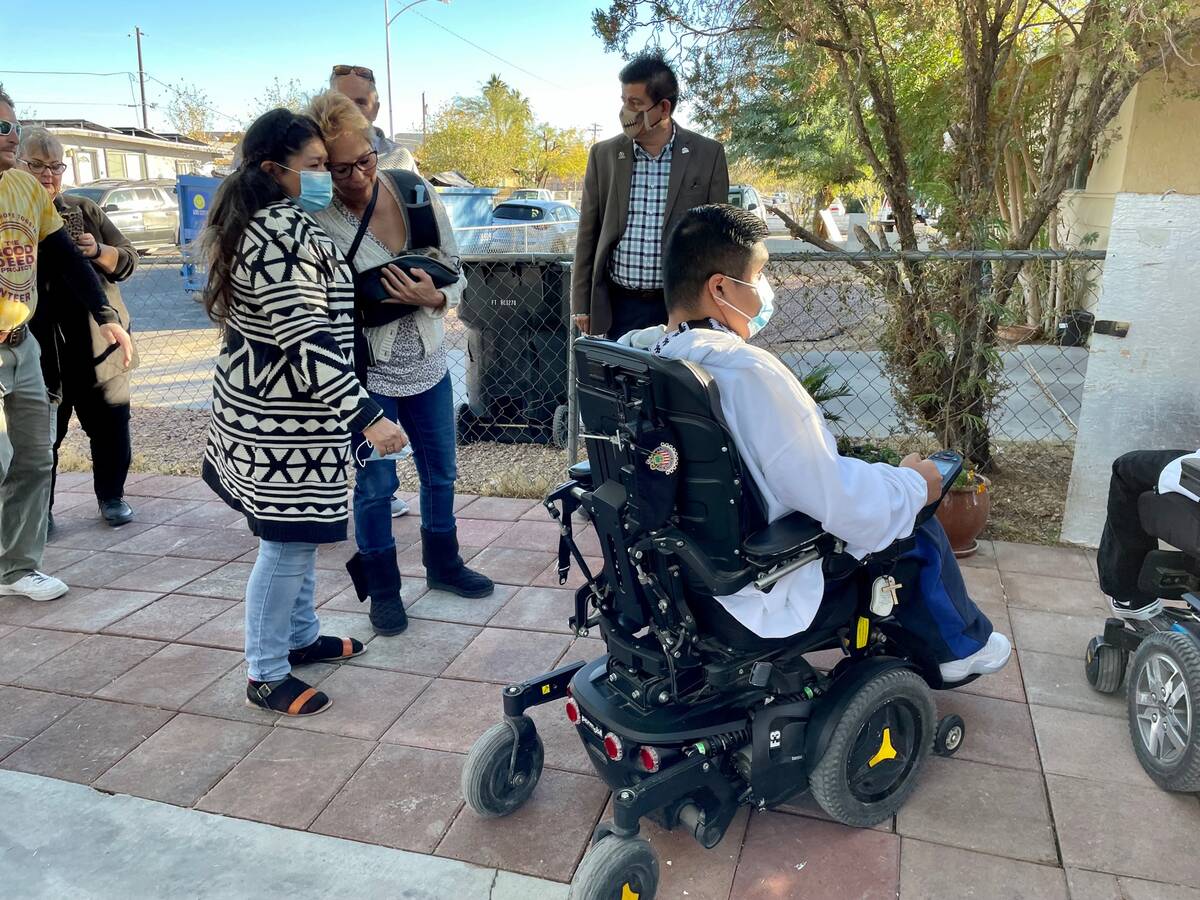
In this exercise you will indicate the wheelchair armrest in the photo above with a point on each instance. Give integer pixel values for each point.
(783, 537)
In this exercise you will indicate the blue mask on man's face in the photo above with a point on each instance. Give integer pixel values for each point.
(766, 299)
(316, 189)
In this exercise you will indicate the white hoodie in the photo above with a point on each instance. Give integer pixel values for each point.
(788, 450)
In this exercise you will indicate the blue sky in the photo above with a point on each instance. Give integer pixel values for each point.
(233, 50)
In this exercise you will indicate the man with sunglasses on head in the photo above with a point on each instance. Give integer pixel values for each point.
(32, 233)
(358, 83)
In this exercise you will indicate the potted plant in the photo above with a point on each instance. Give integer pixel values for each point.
(964, 512)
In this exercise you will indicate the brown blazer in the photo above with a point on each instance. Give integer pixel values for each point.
(699, 175)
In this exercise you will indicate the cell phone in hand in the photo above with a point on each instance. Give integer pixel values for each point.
(73, 218)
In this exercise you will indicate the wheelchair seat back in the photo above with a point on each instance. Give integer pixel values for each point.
(661, 459)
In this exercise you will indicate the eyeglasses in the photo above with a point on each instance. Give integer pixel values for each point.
(360, 71)
(37, 168)
(365, 164)
(7, 128)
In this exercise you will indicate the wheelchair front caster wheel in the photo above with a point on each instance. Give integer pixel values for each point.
(1163, 697)
(951, 731)
(495, 784)
(1105, 665)
(616, 868)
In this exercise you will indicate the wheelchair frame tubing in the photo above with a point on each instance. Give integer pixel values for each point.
(682, 780)
(536, 691)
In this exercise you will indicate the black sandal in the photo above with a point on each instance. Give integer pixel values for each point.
(292, 697)
(326, 649)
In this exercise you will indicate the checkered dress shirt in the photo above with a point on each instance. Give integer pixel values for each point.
(637, 259)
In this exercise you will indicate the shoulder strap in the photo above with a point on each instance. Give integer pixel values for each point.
(414, 193)
(362, 225)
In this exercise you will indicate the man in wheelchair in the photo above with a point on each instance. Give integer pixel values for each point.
(736, 542)
(717, 299)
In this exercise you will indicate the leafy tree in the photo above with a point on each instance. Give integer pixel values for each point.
(189, 111)
(286, 94)
(942, 99)
(554, 153)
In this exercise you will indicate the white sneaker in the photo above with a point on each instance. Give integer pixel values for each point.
(399, 508)
(991, 657)
(36, 586)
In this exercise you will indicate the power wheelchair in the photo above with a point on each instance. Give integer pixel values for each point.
(690, 715)
(1163, 689)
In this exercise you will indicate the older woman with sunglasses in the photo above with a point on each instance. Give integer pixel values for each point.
(76, 361)
(405, 363)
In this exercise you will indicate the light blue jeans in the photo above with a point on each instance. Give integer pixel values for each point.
(279, 607)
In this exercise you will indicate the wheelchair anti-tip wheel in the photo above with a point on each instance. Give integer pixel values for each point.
(616, 868)
(1164, 709)
(488, 785)
(1104, 665)
(877, 748)
(951, 732)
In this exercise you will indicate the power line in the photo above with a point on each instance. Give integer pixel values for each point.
(212, 109)
(42, 72)
(487, 51)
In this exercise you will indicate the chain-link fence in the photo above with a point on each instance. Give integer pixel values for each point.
(844, 323)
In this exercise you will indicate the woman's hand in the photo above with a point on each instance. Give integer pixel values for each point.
(385, 436)
(115, 334)
(412, 291)
(88, 246)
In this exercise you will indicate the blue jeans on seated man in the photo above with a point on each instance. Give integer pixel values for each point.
(280, 615)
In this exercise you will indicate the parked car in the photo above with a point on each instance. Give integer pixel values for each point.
(146, 212)
(745, 197)
(547, 226)
(531, 194)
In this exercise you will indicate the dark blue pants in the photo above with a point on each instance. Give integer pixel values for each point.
(428, 420)
(934, 603)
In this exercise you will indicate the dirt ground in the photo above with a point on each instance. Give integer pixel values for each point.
(1029, 488)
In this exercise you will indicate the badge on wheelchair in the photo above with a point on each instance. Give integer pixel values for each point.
(664, 458)
(883, 595)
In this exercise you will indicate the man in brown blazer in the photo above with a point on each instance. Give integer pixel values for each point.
(636, 188)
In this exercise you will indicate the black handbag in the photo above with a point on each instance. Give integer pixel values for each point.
(369, 290)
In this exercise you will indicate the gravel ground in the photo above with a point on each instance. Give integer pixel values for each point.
(1029, 489)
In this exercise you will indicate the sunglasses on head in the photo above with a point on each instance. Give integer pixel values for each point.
(360, 71)
(7, 128)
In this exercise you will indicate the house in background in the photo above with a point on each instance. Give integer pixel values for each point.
(1153, 151)
(93, 151)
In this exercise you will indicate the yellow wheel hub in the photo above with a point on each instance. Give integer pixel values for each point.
(886, 751)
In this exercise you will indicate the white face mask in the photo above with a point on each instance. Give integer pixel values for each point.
(766, 300)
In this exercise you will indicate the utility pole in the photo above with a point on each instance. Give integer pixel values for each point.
(141, 76)
(595, 132)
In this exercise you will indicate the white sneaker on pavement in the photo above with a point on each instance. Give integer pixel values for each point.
(399, 508)
(991, 657)
(36, 586)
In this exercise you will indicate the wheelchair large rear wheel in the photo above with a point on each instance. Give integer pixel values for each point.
(1164, 709)
(877, 749)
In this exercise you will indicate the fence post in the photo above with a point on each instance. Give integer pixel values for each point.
(572, 380)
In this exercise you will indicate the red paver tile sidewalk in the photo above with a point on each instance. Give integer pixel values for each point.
(133, 683)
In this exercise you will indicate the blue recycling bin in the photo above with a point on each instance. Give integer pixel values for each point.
(195, 194)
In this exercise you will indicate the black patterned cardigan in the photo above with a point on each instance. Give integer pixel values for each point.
(285, 396)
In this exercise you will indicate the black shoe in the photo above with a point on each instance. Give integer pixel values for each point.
(377, 575)
(1138, 609)
(116, 512)
(445, 570)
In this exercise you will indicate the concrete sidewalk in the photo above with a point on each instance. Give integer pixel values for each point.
(59, 839)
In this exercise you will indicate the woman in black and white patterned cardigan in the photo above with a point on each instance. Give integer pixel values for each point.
(285, 396)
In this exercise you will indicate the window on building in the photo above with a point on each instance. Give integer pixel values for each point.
(185, 167)
(116, 164)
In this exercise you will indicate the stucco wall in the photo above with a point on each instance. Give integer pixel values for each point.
(1140, 391)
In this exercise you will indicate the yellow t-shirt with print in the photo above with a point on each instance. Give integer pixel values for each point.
(27, 216)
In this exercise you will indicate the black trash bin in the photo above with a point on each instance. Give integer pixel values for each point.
(517, 333)
(1075, 328)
